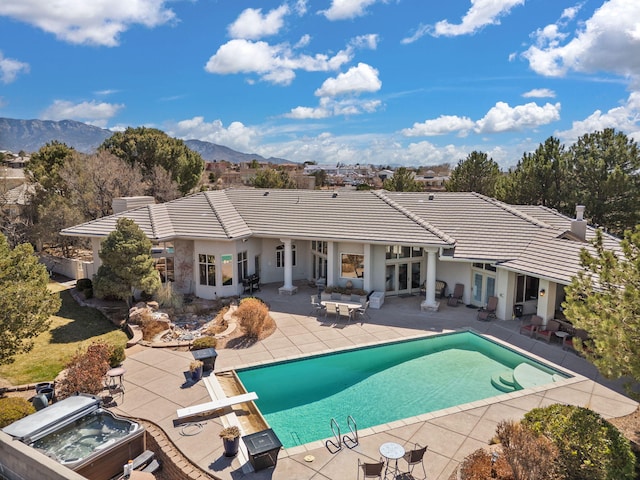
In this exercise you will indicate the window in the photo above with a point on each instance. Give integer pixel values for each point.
(352, 265)
(227, 269)
(243, 265)
(400, 251)
(280, 256)
(163, 261)
(485, 266)
(526, 288)
(207, 265)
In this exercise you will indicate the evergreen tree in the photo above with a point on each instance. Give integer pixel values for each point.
(126, 263)
(149, 147)
(402, 181)
(25, 301)
(272, 178)
(605, 175)
(604, 300)
(476, 173)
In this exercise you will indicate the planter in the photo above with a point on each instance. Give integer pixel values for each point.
(231, 446)
(196, 374)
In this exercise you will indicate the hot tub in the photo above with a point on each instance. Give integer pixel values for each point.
(82, 436)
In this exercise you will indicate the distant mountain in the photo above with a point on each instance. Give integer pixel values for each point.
(30, 135)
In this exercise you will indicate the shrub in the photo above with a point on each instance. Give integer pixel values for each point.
(117, 356)
(88, 293)
(479, 466)
(590, 448)
(168, 297)
(85, 371)
(83, 284)
(230, 433)
(195, 364)
(345, 290)
(201, 343)
(252, 314)
(14, 408)
(151, 327)
(530, 456)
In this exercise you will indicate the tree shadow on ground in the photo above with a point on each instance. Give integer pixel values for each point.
(241, 342)
(85, 322)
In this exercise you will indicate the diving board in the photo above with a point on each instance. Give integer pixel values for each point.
(216, 404)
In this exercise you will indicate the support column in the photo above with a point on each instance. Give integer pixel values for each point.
(288, 288)
(546, 300)
(331, 262)
(429, 303)
(367, 268)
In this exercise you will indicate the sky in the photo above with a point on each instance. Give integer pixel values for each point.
(382, 82)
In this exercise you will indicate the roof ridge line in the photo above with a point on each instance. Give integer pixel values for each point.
(513, 210)
(215, 211)
(154, 211)
(409, 214)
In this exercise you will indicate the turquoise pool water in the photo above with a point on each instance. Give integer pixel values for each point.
(378, 384)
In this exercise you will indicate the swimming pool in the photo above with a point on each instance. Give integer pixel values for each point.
(384, 383)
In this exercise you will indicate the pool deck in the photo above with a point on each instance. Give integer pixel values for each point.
(156, 387)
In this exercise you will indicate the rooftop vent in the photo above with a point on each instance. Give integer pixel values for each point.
(265, 194)
(335, 194)
(431, 196)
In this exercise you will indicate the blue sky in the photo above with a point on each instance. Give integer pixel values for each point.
(399, 82)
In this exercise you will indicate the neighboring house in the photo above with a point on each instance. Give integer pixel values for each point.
(393, 242)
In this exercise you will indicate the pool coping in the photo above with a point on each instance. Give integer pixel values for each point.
(321, 443)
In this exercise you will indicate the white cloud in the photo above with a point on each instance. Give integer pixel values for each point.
(251, 24)
(609, 41)
(503, 118)
(369, 41)
(92, 112)
(329, 107)
(273, 63)
(236, 135)
(346, 9)
(95, 22)
(481, 13)
(300, 7)
(539, 93)
(359, 79)
(442, 125)
(500, 118)
(108, 91)
(625, 118)
(10, 69)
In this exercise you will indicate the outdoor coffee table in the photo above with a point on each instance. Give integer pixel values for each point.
(392, 451)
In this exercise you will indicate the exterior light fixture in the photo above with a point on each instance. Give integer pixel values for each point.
(542, 292)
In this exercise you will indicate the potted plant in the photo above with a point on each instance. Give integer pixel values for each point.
(195, 368)
(230, 440)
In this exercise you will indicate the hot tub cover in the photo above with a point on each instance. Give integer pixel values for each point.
(41, 422)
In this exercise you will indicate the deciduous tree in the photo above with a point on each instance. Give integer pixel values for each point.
(604, 300)
(25, 301)
(272, 178)
(126, 263)
(476, 173)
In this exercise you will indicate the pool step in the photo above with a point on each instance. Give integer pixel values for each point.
(504, 381)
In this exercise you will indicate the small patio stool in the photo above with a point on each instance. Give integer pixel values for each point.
(115, 378)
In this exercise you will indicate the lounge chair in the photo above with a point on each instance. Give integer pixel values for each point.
(370, 470)
(413, 458)
(531, 326)
(546, 332)
(456, 296)
(487, 313)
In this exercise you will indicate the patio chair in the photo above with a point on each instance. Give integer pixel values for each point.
(330, 307)
(456, 296)
(370, 470)
(362, 311)
(487, 313)
(316, 307)
(415, 457)
(345, 311)
(546, 332)
(531, 326)
(569, 343)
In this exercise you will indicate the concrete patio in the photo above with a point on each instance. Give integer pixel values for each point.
(156, 386)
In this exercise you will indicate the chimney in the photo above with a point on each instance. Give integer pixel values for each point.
(121, 204)
(579, 225)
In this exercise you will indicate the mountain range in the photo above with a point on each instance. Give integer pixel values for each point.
(30, 135)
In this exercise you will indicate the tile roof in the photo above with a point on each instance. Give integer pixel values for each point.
(529, 239)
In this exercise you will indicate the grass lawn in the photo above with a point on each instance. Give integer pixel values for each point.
(74, 327)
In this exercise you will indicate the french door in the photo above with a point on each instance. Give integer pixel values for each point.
(483, 287)
(402, 278)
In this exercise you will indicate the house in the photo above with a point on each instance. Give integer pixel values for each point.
(391, 242)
